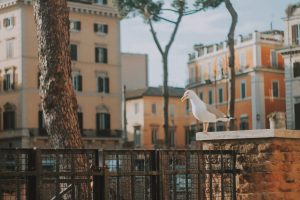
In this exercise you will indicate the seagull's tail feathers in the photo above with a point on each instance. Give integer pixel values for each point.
(225, 119)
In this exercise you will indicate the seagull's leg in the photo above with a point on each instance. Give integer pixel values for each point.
(205, 126)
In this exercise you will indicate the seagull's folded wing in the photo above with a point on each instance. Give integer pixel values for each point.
(215, 111)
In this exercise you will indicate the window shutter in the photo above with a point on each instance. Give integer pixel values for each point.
(100, 84)
(41, 120)
(97, 54)
(95, 28)
(106, 84)
(97, 121)
(12, 119)
(294, 34)
(104, 2)
(79, 82)
(107, 121)
(78, 25)
(80, 120)
(5, 120)
(104, 55)
(105, 28)
(4, 84)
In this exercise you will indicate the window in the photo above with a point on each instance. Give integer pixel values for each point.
(8, 22)
(172, 110)
(274, 59)
(136, 108)
(210, 72)
(172, 136)
(154, 134)
(275, 89)
(210, 97)
(9, 117)
(220, 69)
(77, 82)
(103, 84)
(221, 92)
(201, 95)
(75, 25)
(100, 55)
(8, 82)
(101, 2)
(42, 126)
(137, 136)
(80, 121)
(242, 62)
(295, 34)
(190, 134)
(192, 75)
(296, 69)
(243, 90)
(9, 49)
(244, 123)
(102, 121)
(73, 49)
(153, 108)
(101, 28)
(200, 74)
(187, 107)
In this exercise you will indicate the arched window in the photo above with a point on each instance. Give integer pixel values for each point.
(9, 117)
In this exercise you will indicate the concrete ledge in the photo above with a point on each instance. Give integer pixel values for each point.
(258, 133)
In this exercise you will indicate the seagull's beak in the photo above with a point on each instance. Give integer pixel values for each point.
(183, 98)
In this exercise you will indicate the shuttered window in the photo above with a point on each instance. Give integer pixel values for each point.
(100, 55)
(101, 28)
(102, 121)
(296, 69)
(103, 84)
(77, 82)
(9, 119)
(73, 51)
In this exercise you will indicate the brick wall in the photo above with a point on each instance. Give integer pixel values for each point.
(269, 161)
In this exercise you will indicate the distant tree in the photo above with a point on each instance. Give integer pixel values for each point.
(58, 99)
(230, 38)
(157, 11)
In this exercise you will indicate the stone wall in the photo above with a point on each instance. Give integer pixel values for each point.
(269, 161)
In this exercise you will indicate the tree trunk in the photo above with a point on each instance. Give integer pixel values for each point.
(166, 101)
(58, 99)
(230, 36)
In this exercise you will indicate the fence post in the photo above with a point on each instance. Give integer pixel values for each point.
(98, 180)
(155, 185)
(32, 179)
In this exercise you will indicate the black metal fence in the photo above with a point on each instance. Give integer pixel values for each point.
(117, 174)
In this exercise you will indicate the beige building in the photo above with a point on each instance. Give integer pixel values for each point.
(145, 118)
(96, 73)
(134, 70)
(291, 54)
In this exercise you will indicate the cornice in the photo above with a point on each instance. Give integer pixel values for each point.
(89, 9)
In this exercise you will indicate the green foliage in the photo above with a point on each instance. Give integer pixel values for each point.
(205, 4)
(145, 8)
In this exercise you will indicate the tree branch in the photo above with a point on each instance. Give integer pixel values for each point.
(155, 38)
(165, 19)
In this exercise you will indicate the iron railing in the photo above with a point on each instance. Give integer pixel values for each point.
(117, 174)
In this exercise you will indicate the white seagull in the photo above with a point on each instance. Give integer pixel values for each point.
(202, 112)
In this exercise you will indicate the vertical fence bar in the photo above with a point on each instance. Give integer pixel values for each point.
(222, 176)
(210, 177)
(234, 175)
(32, 183)
(98, 180)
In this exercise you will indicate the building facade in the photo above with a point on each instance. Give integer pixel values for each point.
(134, 65)
(144, 114)
(96, 73)
(259, 87)
(291, 54)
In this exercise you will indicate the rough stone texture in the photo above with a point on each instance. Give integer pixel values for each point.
(269, 163)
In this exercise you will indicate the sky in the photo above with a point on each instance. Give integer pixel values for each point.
(207, 27)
